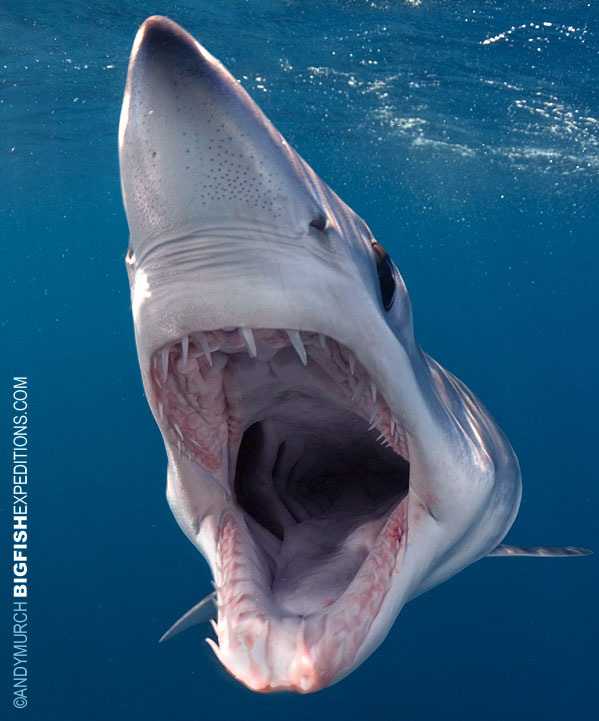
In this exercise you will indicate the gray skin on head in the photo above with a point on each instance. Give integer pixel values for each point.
(236, 242)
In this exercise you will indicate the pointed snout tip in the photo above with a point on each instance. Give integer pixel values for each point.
(157, 36)
(160, 33)
(162, 48)
(164, 54)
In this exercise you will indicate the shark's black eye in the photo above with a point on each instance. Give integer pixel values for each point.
(384, 268)
(320, 222)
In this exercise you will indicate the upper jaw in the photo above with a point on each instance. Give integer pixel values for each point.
(247, 277)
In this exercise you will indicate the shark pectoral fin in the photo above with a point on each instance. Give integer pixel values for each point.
(546, 551)
(202, 612)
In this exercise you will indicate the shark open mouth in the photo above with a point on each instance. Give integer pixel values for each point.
(315, 472)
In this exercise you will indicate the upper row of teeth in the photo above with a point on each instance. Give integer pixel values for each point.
(294, 336)
(250, 344)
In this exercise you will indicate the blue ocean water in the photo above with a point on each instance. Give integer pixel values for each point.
(467, 135)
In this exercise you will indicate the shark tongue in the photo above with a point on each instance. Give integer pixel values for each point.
(189, 133)
(316, 562)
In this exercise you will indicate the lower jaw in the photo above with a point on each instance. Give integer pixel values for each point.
(270, 650)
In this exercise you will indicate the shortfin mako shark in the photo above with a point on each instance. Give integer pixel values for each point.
(327, 469)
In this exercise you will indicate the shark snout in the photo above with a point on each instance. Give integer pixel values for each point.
(196, 151)
(228, 225)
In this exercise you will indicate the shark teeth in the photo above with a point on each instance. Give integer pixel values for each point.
(201, 338)
(296, 342)
(357, 390)
(202, 435)
(324, 643)
(250, 343)
(164, 363)
(352, 363)
(213, 645)
(184, 349)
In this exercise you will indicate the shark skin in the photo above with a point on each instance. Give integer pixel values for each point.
(326, 468)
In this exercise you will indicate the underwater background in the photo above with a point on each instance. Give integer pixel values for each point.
(466, 134)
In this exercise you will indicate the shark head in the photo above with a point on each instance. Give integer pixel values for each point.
(327, 469)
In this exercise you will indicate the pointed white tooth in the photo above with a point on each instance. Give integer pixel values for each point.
(352, 363)
(392, 424)
(214, 647)
(178, 429)
(179, 445)
(381, 437)
(164, 361)
(359, 636)
(201, 338)
(250, 343)
(323, 341)
(160, 410)
(374, 414)
(157, 374)
(214, 626)
(339, 653)
(260, 643)
(184, 348)
(373, 391)
(296, 342)
(357, 390)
